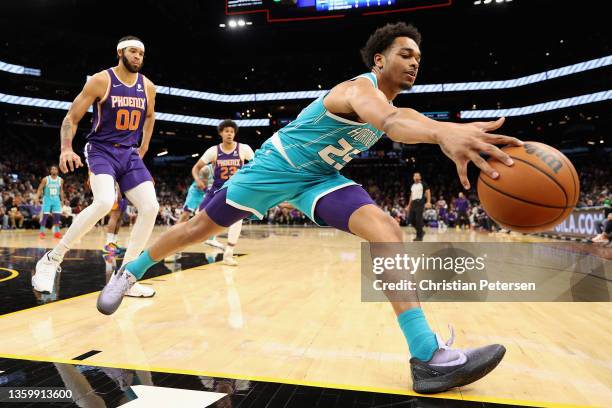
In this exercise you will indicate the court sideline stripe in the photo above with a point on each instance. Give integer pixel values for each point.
(449, 396)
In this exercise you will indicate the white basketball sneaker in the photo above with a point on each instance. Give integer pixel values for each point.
(229, 260)
(118, 285)
(139, 290)
(214, 243)
(46, 268)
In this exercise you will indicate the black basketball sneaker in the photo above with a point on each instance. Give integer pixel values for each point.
(451, 368)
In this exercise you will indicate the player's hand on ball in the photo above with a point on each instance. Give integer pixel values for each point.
(466, 142)
(69, 161)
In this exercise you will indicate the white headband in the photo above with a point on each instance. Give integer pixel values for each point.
(130, 43)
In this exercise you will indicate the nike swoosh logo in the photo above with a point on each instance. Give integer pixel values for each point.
(114, 86)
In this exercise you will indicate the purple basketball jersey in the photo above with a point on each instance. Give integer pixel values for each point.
(119, 117)
(226, 165)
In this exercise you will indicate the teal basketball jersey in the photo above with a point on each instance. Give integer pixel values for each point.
(52, 188)
(319, 141)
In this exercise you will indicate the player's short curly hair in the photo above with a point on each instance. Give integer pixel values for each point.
(227, 123)
(384, 36)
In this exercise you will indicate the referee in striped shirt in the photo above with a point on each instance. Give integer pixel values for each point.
(420, 198)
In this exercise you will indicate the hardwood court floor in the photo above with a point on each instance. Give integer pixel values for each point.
(292, 312)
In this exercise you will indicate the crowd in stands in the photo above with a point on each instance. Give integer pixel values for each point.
(388, 183)
(595, 185)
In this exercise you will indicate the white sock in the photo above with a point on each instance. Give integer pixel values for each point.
(111, 238)
(103, 188)
(58, 252)
(144, 198)
(233, 233)
(445, 356)
(229, 250)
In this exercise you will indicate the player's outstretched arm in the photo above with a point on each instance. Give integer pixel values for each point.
(147, 128)
(94, 88)
(461, 144)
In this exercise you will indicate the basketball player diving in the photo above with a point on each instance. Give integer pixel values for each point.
(300, 164)
(123, 113)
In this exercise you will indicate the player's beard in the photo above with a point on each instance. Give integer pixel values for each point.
(405, 86)
(129, 66)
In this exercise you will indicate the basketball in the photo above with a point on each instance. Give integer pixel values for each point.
(535, 194)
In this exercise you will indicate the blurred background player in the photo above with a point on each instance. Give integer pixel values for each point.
(605, 226)
(52, 190)
(115, 220)
(123, 114)
(227, 158)
(202, 181)
(420, 198)
(209, 176)
(462, 205)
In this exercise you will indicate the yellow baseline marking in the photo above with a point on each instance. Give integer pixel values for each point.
(13, 274)
(296, 382)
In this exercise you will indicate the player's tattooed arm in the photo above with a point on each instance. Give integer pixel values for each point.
(95, 88)
(67, 133)
(149, 123)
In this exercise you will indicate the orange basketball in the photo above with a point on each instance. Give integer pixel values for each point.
(536, 193)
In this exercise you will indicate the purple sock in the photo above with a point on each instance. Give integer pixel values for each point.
(56, 221)
(43, 222)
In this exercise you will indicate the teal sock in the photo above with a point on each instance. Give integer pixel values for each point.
(139, 266)
(421, 340)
